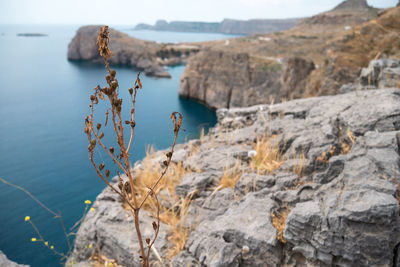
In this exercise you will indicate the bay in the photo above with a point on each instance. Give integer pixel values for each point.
(44, 99)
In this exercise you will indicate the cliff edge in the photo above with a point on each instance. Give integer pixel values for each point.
(331, 199)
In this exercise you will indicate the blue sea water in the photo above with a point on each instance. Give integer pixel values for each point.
(44, 99)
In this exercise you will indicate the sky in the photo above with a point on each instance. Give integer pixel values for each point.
(131, 12)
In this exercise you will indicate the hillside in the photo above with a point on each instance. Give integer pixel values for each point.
(316, 57)
(310, 182)
(227, 26)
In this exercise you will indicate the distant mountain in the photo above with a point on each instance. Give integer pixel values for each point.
(353, 4)
(228, 26)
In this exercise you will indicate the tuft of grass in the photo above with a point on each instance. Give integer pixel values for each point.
(278, 219)
(230, 176)
(269, 156)
(299, 167)
(173, 209)
(175, 218)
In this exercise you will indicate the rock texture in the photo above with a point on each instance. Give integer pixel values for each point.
(143, 55)
(5, 262)
(227, 26)
(342, 208)
(222, 79)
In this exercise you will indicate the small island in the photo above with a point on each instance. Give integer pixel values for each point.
(32, 35)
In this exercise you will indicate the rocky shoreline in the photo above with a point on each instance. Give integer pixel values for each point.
(146, 56)
(340, 209)
(5, 262)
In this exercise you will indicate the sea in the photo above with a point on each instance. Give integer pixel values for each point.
(44, 99)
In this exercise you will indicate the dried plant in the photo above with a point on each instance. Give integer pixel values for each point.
(268, 155)
(278, 219)
(127, 190)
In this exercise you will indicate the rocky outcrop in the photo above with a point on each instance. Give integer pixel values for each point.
(223, 79)
(341, 206)
(379, 73)
(143, 55)
(5, 262)
(352, 4)
(227, 26)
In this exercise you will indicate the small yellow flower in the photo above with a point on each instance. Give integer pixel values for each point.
(110, 264)
(46, 243)
(90, 246)
(33, 239)
(91, 209)
(88, 202)
(51, 247)
(27, 218)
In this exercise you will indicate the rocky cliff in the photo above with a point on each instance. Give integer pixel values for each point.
(143, 55)
(221, 79)
(331, 198)
(5, 262)
(227, 26)
(314, 58)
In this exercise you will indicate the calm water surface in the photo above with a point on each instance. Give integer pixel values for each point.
(44, 99)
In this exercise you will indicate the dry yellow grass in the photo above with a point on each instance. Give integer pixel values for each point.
(299, 167)
(230, 176)
(99, 260)
(173, 209)
(269, 156)
(278, 219)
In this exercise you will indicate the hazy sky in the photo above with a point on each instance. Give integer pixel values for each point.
(133, 11)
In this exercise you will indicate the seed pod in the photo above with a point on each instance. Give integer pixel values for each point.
(92, 97)
(120, 186)
(111, 150)
(155, 226)
(165, 163)
(133, 124)
(114, 84)
(127, 122)
(113, 73)
(101, 135)
(101, 166)
(169, 154)
(127, 187)
(130, 90)
(118, 109)
(148, 241)
(93, 142)
(98, 126)
(107, 173)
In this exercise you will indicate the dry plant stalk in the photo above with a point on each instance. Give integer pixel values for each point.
(127, 190)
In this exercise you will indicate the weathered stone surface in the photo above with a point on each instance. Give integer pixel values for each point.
(381, 73)
(343, 207)
(110, 229)
(217, 78)
(5, 262)
(223, 241)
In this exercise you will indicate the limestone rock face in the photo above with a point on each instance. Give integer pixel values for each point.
(338, 186)
(223, 79)
(5, 262)
(127, 50)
